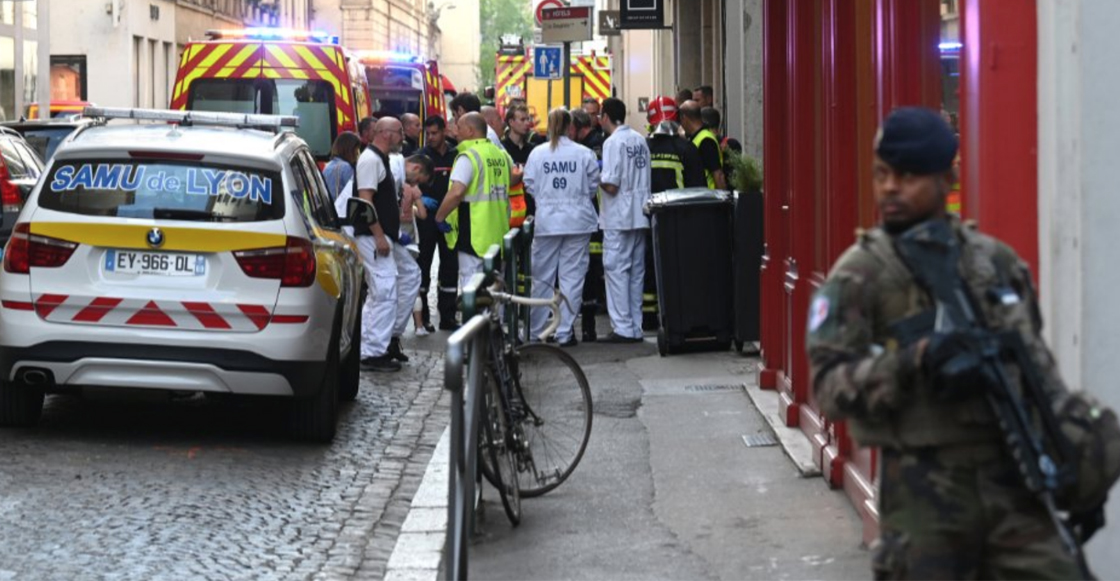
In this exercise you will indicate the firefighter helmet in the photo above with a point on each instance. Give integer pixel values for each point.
(661, 109)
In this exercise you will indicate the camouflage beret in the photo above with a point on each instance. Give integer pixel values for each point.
(916, 140)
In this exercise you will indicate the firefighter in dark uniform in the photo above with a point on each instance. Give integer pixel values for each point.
(442, 152)
(675, 163)
(589, 135)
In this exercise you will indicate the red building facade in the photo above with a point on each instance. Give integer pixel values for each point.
(833, 69)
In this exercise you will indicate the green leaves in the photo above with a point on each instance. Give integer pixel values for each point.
(498, 17)
(746, 171)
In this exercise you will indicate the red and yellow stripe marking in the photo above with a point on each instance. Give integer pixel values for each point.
(239, 60)
(511, 70)
(596, 73)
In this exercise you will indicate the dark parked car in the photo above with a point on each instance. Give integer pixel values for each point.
(44, 135)
(20, 167)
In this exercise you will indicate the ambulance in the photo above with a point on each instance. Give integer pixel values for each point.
(590, 77)
(404, 83)
(278, 72)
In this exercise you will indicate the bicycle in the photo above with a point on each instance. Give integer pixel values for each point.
(537, 408)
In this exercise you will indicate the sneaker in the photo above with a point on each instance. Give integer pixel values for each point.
(380, 363)
(395, 351)
(449, 326)
(422, 332)
(571, 342)
(616, 338)
(430, 328)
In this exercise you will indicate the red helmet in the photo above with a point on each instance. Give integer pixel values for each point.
(661, 109)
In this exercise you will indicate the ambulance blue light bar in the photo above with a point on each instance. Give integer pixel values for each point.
(950, 46)
(266, 33)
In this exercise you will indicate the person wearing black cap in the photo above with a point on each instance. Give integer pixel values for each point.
(951, 502)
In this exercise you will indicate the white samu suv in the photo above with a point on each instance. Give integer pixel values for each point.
(185, 251)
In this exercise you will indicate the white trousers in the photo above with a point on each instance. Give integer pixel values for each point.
(408, 287)
(624, 266)
(564, 257)
(469, 264)
(394, 282)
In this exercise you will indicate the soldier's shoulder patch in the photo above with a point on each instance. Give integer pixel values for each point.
(824, 320)
(818, 311)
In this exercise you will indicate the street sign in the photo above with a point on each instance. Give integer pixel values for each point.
(566, 24)
(546, 62)
(544, 5)
(609, 23)
(643, 14)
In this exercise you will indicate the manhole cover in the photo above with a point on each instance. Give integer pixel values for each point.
(759, 440)
(710, 388)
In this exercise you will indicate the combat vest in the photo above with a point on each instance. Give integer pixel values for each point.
(924, 418)
(485, 201)
(697, 140)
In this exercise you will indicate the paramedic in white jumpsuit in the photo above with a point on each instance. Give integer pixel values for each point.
(625, 182)
(388, 266)
(563, 177)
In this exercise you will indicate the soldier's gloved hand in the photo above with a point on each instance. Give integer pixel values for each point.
(443, 227)
(430, 203)
(954, 363)
(405, 239)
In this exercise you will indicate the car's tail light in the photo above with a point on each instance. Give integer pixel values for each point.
(25, 250)
(10, 196)
(293, 264)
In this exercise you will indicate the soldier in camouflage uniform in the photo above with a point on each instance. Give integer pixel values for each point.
(951, 502)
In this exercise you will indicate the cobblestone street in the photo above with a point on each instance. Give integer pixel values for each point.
(133, 486)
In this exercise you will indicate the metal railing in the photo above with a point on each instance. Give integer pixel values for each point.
(517, 249)
(467, 350)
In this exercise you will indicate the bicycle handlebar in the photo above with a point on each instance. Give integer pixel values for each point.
(553, 304)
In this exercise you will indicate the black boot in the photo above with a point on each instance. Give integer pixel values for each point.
(588, 322)
(395, 351)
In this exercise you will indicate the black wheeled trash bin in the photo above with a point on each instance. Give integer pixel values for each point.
(692, 249)
(748, 264)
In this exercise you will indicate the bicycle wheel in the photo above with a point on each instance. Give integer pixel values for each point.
(556, 419)
(500, 453)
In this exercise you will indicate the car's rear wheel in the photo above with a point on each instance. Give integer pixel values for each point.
(315, 418)
(21, 405)
(350, 374)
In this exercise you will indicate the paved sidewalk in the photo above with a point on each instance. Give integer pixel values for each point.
(669, 488)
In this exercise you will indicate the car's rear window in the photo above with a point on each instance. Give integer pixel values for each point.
(163, 190)
(44, 140)
(18, 166)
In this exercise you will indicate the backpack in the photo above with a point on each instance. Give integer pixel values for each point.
(1093, 432)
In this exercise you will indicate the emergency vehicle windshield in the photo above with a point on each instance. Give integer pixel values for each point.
(163, 190)
(399, 90)
(310, 100)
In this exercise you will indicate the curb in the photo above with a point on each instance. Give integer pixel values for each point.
(794, 442)
(418, 554)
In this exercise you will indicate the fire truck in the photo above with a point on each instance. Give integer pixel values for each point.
(279, 72)
(590, 77)
(404, 83)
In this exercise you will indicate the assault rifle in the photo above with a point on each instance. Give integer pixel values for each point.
(1031, 431)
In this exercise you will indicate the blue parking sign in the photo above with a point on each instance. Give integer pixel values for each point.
(546, 62)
